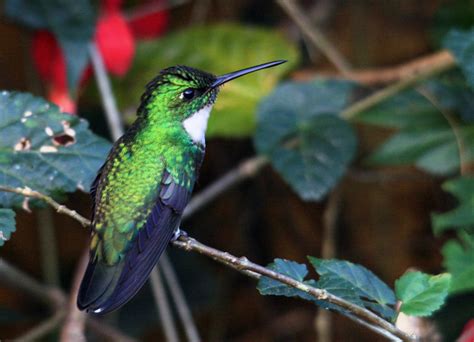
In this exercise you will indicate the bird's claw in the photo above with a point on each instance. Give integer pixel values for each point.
(177, 233)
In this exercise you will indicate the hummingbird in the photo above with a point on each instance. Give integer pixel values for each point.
(139, 194)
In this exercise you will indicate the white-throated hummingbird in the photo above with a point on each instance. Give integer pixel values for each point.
(140, 192)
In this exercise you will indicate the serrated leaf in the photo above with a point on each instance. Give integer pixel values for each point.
(461, 44)
(325, 143)
(217, 49)
(7, 225)
(71, 21)
(356, 284)
(458, 258)
(267, 286)
(461, 217)
(44, 149)
(421, 294)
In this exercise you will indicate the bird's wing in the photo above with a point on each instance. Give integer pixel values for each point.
(107, 287)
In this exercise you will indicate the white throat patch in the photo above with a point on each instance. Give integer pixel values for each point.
(196, 125)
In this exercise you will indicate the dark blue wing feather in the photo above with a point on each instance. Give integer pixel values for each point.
(134, 269)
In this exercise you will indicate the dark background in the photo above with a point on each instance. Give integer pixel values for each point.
(384, 214)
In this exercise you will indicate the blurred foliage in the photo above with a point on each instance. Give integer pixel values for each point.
(453, 14)
(425, 134)
(298, 128)
(218, 49)
(461, 44)
(421, 294)
(461, 217)
(44, 149)
(7, 224)
(71, 21)
(459, 261)
(459, 254)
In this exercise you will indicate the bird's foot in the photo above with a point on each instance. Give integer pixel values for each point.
(177, 233)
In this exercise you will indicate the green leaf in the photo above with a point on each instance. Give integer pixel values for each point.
(44, 149)
(458, 258)
(461, 44)
(425, 137)
(7, 224)
(267, 286)
(421, 294)
(217, 49)
(71, 21)
(463, 216)
(356, 284)
(325, 143)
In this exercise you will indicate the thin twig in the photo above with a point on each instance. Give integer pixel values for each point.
(374, 328)
(74, 324)
(61, 209)
(108, 100)
(18, 280)
(43, 328)
(48, 249)
(177, 293)
(391, 90)
(253, 270)
(243, 264)
(163, 306)
(53, 297)
(323, 321)
(380, 76)
(246, 169)
(317, 38)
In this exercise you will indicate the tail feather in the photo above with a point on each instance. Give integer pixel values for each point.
(106, 288)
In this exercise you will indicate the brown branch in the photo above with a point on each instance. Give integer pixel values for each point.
(253, 270)
(386, 75)
(246, 169)
(393, 89)
(53, 297)
(314, 35)
(243, 265)
(61, 209)
(74, 324)
(43, 328)
(178, 296)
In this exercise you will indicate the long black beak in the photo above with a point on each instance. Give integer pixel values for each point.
(232, 75)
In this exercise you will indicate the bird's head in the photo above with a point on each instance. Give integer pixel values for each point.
(185, 95)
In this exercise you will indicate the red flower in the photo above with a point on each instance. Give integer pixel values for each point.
(467, 334)
(115, 39)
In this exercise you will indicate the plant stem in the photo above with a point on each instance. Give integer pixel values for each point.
(314, 35)
(163, 306)
(245, 266)
(177, 293)
(47, 243)
(43, 328)
(391, 90)
(74, 324)
(246, 169)
(54, 297)
(253, 270)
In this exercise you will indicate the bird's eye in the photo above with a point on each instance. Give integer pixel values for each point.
(188, 94)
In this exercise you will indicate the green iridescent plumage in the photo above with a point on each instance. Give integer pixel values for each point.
(157, 142)
(143, 187)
